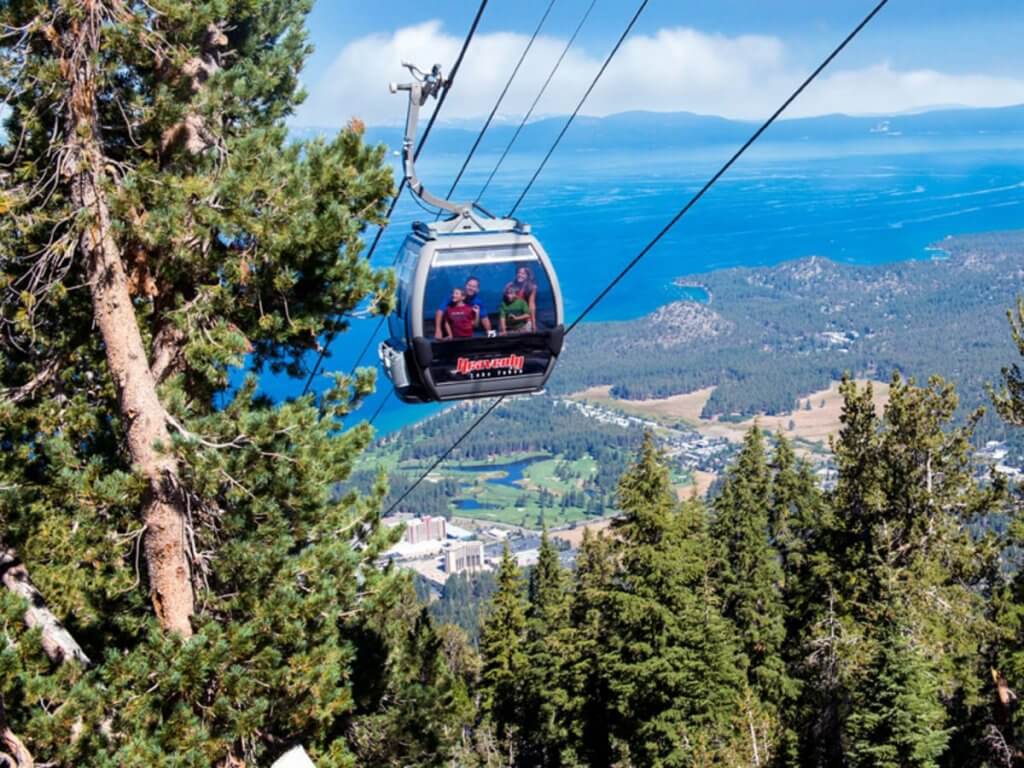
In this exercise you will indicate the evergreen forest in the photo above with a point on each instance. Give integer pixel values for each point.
(190, 578)
(874, 624)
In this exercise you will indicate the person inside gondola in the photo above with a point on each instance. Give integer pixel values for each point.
(526, 288)
(471, 296)
(460, 317)
(514, 313)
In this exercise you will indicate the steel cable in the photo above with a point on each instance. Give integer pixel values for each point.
(533, 106)
(501, 98)
(575, 112)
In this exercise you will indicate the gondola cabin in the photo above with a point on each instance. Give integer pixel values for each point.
(479, 312)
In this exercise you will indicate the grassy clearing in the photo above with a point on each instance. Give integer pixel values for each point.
(544, 474)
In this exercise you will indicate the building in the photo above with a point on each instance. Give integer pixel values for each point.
(527, 557)
(458, 532)
(423, 529)
(464, 557)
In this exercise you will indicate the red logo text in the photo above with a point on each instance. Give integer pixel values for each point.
(512, 362)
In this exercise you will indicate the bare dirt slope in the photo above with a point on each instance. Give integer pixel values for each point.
(808, 426)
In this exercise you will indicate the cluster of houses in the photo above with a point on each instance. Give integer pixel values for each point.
(688, 447)
(995, 455)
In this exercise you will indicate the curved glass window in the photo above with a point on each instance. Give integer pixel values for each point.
(404, 274)
(473, 291)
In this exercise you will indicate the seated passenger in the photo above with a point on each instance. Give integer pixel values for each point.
(459, 317)
(471, 296)
(526, 287)
(514, 314)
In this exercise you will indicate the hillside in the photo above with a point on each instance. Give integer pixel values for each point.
(770, 336)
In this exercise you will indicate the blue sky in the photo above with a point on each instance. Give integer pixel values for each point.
(730, 57)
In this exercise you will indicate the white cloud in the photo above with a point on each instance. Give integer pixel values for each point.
(883, 89)
(676, 69)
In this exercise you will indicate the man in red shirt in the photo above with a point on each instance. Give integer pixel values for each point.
(459, 317)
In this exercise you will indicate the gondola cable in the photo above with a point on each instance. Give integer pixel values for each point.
(401, 187)
(498, 102)
(380, 407)
(536, 101)
(675, 219)
(579, 106)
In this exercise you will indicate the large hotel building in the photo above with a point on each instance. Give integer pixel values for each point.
(425, 529)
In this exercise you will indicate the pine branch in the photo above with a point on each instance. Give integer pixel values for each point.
(28, 389)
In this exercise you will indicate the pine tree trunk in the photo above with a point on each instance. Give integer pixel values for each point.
(163, 506)
(12, 750)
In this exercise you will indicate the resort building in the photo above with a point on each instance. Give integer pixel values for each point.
(465, 557)
(421, 529)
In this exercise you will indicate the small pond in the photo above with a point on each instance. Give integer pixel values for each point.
(471, 505)
(515, 471)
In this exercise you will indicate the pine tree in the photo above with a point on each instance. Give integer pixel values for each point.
(588, 657)
(898, 720)
(545, 699)
(799, 521)
(797, 516)
(159, 229)
(1009, 399)
(1005, 734)
(503, 654)
(672, 667)
(786, 502)
(431, 698)
(857, 499)
(749, 572)
(899, 544)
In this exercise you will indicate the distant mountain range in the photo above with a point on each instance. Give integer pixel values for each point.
(681, 130)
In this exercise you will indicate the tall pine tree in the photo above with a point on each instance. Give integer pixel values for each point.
(503, 656)
(589, 657)
(797, 515)
(906, 576)
(1005, 739)
(159, 229)
(545, 698)
(749, 571)
(673, 671)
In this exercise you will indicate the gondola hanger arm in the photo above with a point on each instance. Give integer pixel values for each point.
(424, 85)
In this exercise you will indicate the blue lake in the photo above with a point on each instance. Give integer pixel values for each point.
(471, 504)
(514, 472)
(595, 211)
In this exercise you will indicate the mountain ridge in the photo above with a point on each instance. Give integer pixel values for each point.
(685, 129)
